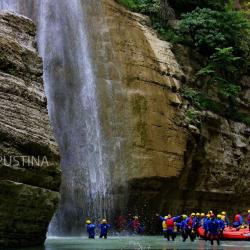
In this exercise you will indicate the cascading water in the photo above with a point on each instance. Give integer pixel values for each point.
(74, 108)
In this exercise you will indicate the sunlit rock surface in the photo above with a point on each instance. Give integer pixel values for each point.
(29, 166)
(171, 166)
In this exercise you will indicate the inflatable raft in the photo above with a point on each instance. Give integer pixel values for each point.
(230, 233)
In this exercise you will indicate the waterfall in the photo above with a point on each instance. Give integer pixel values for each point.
(87, 155)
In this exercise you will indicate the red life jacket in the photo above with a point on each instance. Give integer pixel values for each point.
(237, 218)
(170, 223)
(190, 222)
(135, 224)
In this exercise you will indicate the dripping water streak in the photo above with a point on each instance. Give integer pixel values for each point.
(70, 86)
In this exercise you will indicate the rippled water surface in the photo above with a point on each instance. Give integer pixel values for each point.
(143, 242)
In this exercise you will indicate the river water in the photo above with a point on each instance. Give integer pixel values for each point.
(135, 242)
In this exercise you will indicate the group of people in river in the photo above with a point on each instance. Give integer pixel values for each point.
(134, 225)
(213, 225)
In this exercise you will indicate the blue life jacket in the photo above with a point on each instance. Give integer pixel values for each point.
(205, 223)
(183, 225)
(104, 228)
(213, 226)
(91, 229)
(221, 224)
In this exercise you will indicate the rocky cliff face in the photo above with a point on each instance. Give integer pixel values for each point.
(29, 158)
(170, 166)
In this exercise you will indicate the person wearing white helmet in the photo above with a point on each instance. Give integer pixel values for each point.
(104, 227)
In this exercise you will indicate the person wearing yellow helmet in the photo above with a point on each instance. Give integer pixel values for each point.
(164, 225)
(104, 227)
(224, 218)
(202, 219)
(191, 222)
(205, 225)
(221, 225)
(183, 227)
(170, 226)
(214, 230)
(90, 229)
(197, 222)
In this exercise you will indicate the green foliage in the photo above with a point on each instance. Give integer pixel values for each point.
(229, 6)
(245, 119)
(246, 9)
(148, 7)
(221, 64)
(206, 103)
(166, 33)
(200, 101)
(130, 4)
(224, 60)
(191, 94)
(210, 29)
(221, 69)
(192, 116)
(184, 6)
(228, 89)
(218, 32)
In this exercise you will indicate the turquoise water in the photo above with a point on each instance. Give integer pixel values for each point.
(141, 242)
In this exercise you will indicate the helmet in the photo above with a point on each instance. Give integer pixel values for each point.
(202, 215)
(219, 216)
(165, 217)
(223, 213)
(184, 216)
(88, 222)
(192, 214)
(242, 227)
(208, 215)
(198, 214)
(210, 212)
(248, 211)
(104, 221)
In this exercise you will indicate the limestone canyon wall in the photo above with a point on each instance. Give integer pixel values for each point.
(171, 166)
(29, 166)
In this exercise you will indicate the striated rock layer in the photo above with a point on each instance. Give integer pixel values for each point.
(170, 167)
(29, 158)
